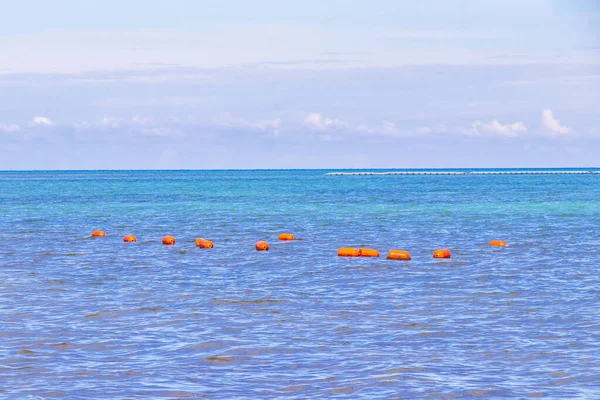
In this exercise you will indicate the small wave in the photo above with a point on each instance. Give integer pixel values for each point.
(152, 309)
(224, 359)
(27, 351)
(259, 301)
(209, 345)
(101, 313)
(62, 345)
(114, 313)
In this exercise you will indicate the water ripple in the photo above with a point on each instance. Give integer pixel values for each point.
(85, 317)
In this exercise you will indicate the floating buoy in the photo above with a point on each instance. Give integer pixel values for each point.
(398, 255)
(129, 238)
(501, 243)
(204, 244)
(98, 233)
(286, 236)
(168, 240)
(368, 253)
(348, 252)
(441, 253)
(261, 245)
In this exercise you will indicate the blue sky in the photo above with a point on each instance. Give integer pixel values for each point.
(312, 84)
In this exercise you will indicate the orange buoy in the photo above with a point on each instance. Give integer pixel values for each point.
(398, 255)
(501, 243)
(348, 252)
(368, 253)
(286, 236)
(129, 238)
(204, 244)
(168, 240)
(261, 245)
(441, 253)
(98, 233)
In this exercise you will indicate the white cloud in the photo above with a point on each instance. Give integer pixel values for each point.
(9, 128)
(134, 126)
(551, 124)
(320, 123)
(138, 120)
(252, 44)
(110, 122)
(386, 128)
(42, 121)
(160, 132)
(268, 124)
(106, 122)
(330, 138)
(445, 35)
(263, 125)
(148, 126)
(494, 127)
(390, 129)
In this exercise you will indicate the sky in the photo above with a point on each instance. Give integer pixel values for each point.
(236, 84)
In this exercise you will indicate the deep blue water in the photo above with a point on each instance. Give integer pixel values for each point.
(84, 317)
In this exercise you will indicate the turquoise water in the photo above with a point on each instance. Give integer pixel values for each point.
(85, 317)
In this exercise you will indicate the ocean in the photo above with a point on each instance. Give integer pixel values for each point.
(84, 317)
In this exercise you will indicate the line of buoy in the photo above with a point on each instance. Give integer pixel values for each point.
(261, 245)
(539, 172)
(392, 255)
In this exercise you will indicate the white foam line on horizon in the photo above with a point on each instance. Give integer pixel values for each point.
(541, 172)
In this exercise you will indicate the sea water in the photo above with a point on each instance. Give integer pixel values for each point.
(84, 317)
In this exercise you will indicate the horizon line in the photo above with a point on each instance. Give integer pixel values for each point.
(296, 169)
